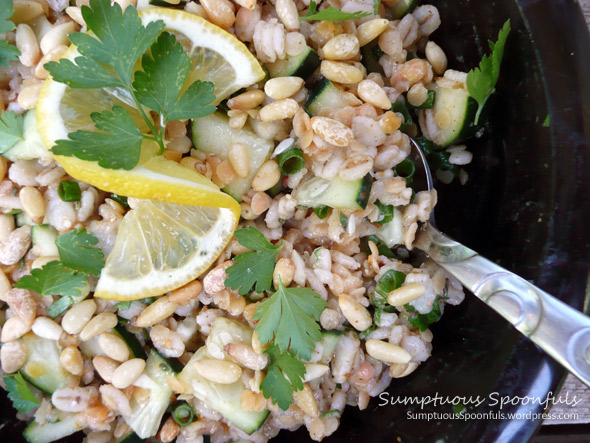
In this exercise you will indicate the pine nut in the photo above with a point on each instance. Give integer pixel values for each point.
(15, 246)
(171, 155)
(332, 131)
(13, 329)
(214, 281)
(78, 316)
(44, 327)
(256, 345)
(25, 10)
(260, 203)
(220, 12)
(181, 144)
(26, 42)
(186, 293)
(219, 371)
(128, 372)
(391, 43)
(443, 119)
(169, 431)
(3, 168)
(71, 360)
(115, 400)
(306, 401)
(105, 367)
(356, 314)
(252, 401)
(238, 157)
(113, 346)
(370, 30)
(75, 13)
(225, 172)
(248, 4)
(399, 370)
(417, 94)
(32, 201)
(5, 285)
(39, 262)
(28, 96)
(283, 87)
(314, 370)
(246, 100)
(56, 36)
(176, 129)
(99, 324)
(341, 47)
(156, 312)
(237, 118)
(405, 294)
(288, 13)
(279, 110)
(436, 57)
(22, 303)
(245, 356)
(341, 72)
(373, 94)
(246, 212)
(285, 269)
(267, 176)
(387, 352)
(13, 355)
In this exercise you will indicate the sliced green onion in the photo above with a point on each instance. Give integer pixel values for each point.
(363, 335)
(60, 306)
(333, 413)
(428, 104)
(381, 247)
(405, 169)
(69, 191)
(322, 211)
(121, 199)
(183, 413)
(386, 211)
(291, 161)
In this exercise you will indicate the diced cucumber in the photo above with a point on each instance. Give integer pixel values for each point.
(223, 398)
(22, 218)
(226, 331)
(145, 417)
(326, 97)
(42, 368)
(213, 135)
(371, 53)
(300, 65)
(335, 193)
(43, 237)
(401, 8)
(32, 146)
(461, 108)
(392, 232)
(324, 350)
(130, 438)
(68, 424)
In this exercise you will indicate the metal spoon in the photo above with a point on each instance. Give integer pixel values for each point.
(558, 329)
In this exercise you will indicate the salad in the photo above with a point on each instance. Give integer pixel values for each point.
(208, 225)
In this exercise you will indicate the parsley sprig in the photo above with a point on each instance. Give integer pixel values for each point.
(108, 59)
(20, 393)
(7, 51)
(482, 80)
(11, 130)
(331, 14)
(284, 376)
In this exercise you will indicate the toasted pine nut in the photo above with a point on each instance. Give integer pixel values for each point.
(25, 10)
(99, 324)
(23, 304)
(156, 312)
(46, 328)
(288, 13)
(105, 367)
(399, 370)
(356, 314)
(78, 316)
(436, 57)
(248, 4)
(13, 355)
(186, 293)
(279, 110)
(283, 87)
(219, 371)
(387, 352)
(252, 401)
(225, 172)
(314, 370)
(13, 329)
(71, 360)
(370, 30)
(244, 355)
(113, 346)
(306, 401)
(26, 42)
(172, 155)
(341, 72)
(28, 96)
(39, 262)
(260, 203)
(220, 12)
(169, 431)
(246, 100)
(56, 36)
(405, 294)
(127, 373)
(373, 94)
(285, 269)
(341, 47)
(5, 285)
(417, 94)
(32, 201)
(267, 176)
(332, 131)
(238, 157)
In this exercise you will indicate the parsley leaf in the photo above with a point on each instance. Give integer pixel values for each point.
(11, 129)
(76, 251)
(289, 319)
(283, 366)
(389, 281)
(60, 306)
(55, 279)
(7, 51)
(482, 80)
(118, 147)
(422, 321)
(331, 14)
(160, 83)
(23, 400)
(376, 4)
(85, 73)
(386, 211)
(253, 267)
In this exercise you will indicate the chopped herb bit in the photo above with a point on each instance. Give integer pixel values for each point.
(386, 212)
(23, 399)
(69, 191)
(123, 305)
(381, 246)
(389, 281)
(428, 104)
(121, 199)
(322, 211)
(77, 251)
(400, 107)
(55, 279)
(422, 321)
(11, 129)
(547, 121)
(376, 4)
(60, 306)
(343, 220)
(284, 376)
(331, 14)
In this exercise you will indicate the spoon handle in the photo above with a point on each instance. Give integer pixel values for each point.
(558, 329)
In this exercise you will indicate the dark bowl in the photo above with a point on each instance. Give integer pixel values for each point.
(525, 206)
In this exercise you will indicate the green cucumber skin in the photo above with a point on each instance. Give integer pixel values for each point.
(362, 197)
(302, 65)
(468, 131)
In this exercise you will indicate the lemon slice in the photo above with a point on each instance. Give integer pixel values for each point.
(161, 246)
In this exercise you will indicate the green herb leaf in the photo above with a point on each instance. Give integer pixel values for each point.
(82, 73)
(55, 279)
(254, 268)
(381, 246)
(283, 366)
(331, 14)
(118, 147)
(547, 121)
(23, 399)
(386, 211)
(7, 52)
(289, 319)
(77, 251)
(482, 80)
(6, 11)
(321, 211)
(159, 84)
(389, 281)
(343, 221)
(422, 321)
(428, 104)
(11, 130)
(69, 191)
(123, 305)
(376, 4)
(402, 108)
(60, 306)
